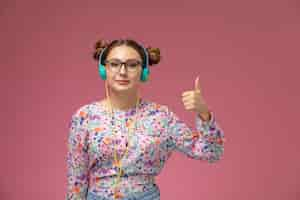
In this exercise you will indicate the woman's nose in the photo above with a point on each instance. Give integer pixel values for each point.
(123, 70)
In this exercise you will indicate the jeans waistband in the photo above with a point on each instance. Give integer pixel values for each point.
(126, 180)
(152, 193)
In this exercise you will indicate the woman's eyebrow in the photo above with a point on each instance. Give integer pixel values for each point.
(124, 60)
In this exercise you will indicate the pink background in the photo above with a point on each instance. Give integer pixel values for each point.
(245, 53)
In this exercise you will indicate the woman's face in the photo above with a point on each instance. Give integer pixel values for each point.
(123, 53)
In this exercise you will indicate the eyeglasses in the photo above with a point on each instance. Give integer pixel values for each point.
(131, 65)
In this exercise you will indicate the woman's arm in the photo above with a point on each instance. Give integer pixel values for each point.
(206, 142)
(77, 157)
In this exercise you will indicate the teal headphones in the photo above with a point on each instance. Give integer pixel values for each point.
(145, 71)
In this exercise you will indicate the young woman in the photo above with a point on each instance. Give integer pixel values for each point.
(117, 145)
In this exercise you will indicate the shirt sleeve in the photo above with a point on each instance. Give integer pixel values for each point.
(77, 157)
(206, 142)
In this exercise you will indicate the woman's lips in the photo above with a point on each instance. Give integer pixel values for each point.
(123, 82)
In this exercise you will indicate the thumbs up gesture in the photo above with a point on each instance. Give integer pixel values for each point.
(193, 101)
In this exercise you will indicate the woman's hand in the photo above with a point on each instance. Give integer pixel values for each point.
(193, 101)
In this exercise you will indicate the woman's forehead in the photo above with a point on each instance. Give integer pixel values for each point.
(123, 52)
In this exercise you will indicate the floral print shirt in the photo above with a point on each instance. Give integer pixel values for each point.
(159, 131)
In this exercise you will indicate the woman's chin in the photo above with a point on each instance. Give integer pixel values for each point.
(122, 88)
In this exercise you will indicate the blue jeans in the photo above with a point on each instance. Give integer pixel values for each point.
(151, 194)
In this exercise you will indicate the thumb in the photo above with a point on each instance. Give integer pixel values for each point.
(197, 84)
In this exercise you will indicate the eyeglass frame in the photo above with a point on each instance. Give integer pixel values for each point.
(125, 65)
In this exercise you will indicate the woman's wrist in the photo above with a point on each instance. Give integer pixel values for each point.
(205, 116)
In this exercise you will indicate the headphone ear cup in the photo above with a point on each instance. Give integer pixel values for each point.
(102, 71)
(145, 74)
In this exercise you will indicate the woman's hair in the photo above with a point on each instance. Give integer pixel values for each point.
(100, 45)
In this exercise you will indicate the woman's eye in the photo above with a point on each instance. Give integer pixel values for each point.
(132, 64)
(113, 64)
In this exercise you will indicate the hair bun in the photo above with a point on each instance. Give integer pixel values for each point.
(154, 55)
(100, 45)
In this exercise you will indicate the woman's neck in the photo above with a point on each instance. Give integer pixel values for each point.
(123, 101)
